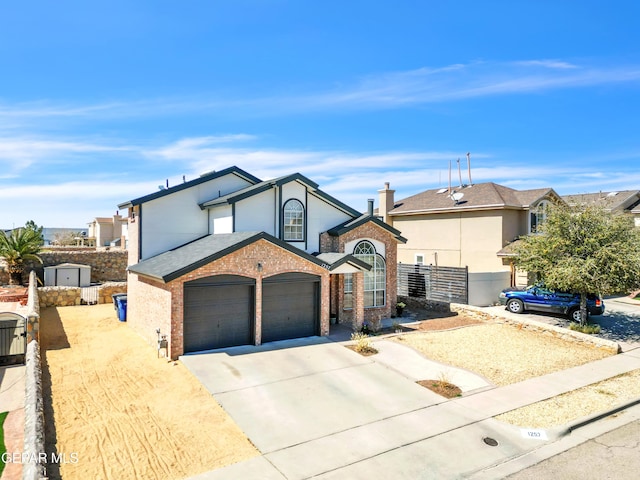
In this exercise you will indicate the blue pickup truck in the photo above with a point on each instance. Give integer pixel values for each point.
(541, 299)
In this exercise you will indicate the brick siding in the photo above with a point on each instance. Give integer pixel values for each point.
(155, 305)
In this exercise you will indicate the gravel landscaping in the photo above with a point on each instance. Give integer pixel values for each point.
(588, 400)
(503, 354)
(506, 354)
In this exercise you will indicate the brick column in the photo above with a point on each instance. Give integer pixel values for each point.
(258, 310)
(358, 300)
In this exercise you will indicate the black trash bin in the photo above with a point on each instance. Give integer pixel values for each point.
(122, 308)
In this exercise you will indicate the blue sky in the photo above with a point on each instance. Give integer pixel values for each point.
(101, 102)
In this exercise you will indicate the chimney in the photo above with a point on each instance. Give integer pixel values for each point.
(370, 209)
(386, 203)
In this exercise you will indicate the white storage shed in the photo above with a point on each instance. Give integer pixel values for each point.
(67, 275)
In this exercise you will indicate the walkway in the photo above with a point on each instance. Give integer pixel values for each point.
(12, 400)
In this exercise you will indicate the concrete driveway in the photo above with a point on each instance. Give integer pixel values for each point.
(278, 392)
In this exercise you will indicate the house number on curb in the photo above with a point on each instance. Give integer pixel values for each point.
(534, 434)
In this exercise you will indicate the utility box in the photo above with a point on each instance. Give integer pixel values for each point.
(67, 275)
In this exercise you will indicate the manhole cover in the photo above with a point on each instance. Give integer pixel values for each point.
(492, 442)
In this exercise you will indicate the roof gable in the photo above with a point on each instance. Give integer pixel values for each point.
(252, 190)
(349, 225)
(191, 183)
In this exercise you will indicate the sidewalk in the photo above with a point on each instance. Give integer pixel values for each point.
(426, 443)
(12, 387)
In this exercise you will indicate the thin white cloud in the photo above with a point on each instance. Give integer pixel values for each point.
(559, 64)
(479, 79)
(376, 91)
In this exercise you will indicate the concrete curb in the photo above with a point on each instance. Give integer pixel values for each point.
(584, 421)
(33, 465)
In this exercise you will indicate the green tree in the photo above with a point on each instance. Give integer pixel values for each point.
(583, 250)
(31, 225)
(17, 247)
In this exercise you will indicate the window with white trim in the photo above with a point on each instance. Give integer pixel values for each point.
(375, 280)
(348, 290)
(293, 225)
(537, 216)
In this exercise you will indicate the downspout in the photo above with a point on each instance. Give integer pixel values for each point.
(139, 232)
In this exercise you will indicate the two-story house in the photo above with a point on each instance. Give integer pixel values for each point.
(467, 226)
(228, 259)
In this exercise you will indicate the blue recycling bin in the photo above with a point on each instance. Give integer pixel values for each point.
(122, 308)
(114, 297)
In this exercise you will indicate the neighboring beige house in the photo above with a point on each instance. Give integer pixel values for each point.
(624, 201)
(466, 226)
(108, 232)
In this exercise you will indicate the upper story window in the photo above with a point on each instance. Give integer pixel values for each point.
(538, 215)
(293, 227)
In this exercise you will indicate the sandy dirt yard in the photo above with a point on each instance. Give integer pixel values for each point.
(116, 411)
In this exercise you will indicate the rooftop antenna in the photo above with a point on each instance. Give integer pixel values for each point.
(469, 167)
(449, 176)
(184, 179)
(167, 183)
(459, 172)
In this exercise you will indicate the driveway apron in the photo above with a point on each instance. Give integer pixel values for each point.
(295, 391)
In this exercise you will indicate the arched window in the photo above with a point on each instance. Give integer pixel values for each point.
(538, 215)
(293, 228)
(375, 280)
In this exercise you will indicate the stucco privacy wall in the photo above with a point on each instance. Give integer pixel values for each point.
(147, 299)
(368, 231)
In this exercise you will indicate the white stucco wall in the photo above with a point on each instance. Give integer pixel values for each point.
(175, 219)
(256, 213)
(221, 219)
(321, 217)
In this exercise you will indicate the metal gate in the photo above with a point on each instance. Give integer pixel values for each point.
(13, 338)
(89, 295)
(440, 284)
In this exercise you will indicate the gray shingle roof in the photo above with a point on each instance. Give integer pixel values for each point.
(608, 200)
(481, 195)
(335, 259)
(170, 265)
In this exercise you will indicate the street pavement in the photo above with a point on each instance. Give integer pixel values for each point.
(615, 455)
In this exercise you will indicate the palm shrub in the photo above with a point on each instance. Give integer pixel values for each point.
(17, 248)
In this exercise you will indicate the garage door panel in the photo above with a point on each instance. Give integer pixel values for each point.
(218, 316)
(289, 310)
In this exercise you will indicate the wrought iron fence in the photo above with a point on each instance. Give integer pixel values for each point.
(441, 284)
